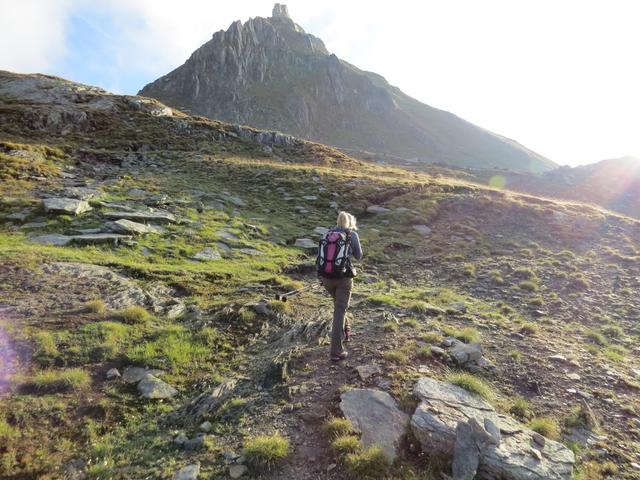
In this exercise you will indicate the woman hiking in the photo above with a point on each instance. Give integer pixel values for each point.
(339, 245)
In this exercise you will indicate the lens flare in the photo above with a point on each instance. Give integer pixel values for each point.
(7, 354)
(498, 181)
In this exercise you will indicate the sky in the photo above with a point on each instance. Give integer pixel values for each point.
(562, 77)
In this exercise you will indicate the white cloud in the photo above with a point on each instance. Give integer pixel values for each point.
(32, 34)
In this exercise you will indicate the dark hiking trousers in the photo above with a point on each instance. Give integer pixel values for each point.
(340, 290)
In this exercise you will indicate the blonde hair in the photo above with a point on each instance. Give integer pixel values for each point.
(346, 220)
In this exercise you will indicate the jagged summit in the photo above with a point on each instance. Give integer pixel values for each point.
(280, 11)
(271, 74)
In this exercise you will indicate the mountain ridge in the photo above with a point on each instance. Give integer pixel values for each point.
(270, 73)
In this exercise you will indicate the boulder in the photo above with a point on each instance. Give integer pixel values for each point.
(190, 472)
(463, 354)
(237, 471)
(135, 374)
(366, 371)
(113, 373)
(195, 443)
(153, 388)
(375, 414)
(128, 227)
(156, 216)
(67, 206)
(321, 231)
(443, 406)
(422, 229)
(306, 243)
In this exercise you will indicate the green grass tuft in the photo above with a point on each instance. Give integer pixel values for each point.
(472, 384)
(390, 326)
(419, 307)
(596, 337)
(528, 286)
(434, 338)
(520, 408)
(529, 328)
(515, 355)
(338, 427)
(346, 444)
(411, 322)
(467, 334)
(367, 464)
(278, 306)
(546, 426)
(134, 315)
(398, 356)
(58, 381)
(264, 452)
(96, 306)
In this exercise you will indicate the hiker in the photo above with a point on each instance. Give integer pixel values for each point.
(336, 273)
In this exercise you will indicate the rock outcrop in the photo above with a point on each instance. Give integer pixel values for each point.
(376, 415)
(271, 74)
(450, 419)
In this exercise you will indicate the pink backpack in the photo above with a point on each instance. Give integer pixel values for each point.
(334, 254)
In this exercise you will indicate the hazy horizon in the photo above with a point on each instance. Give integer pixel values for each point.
(557, 78)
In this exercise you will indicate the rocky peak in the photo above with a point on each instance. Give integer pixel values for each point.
(271, 74)
(280, 11)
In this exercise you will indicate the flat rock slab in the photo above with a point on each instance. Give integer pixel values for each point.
(377, 209)
(34, 225)
(251, 251)
(443, 406)
(120, 291)
(81, 193)
(153, 388)
(375, 414)
(305, 243)
(140, 216)
(97, 238)
(68, 206)
(207, 254)
(125, 226)
(52, 239)
(190, 472)
(135, 374)
(366, 371)
(322, 231)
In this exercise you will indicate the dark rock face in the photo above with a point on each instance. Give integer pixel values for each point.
(270, 74)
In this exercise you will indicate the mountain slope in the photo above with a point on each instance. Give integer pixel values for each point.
(269, 73)
(612, 183)
(548, 289)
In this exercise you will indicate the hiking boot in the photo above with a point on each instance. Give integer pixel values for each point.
(347, 334)
(337, 358)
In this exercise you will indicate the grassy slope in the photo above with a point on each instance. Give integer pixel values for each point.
(506, 256)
